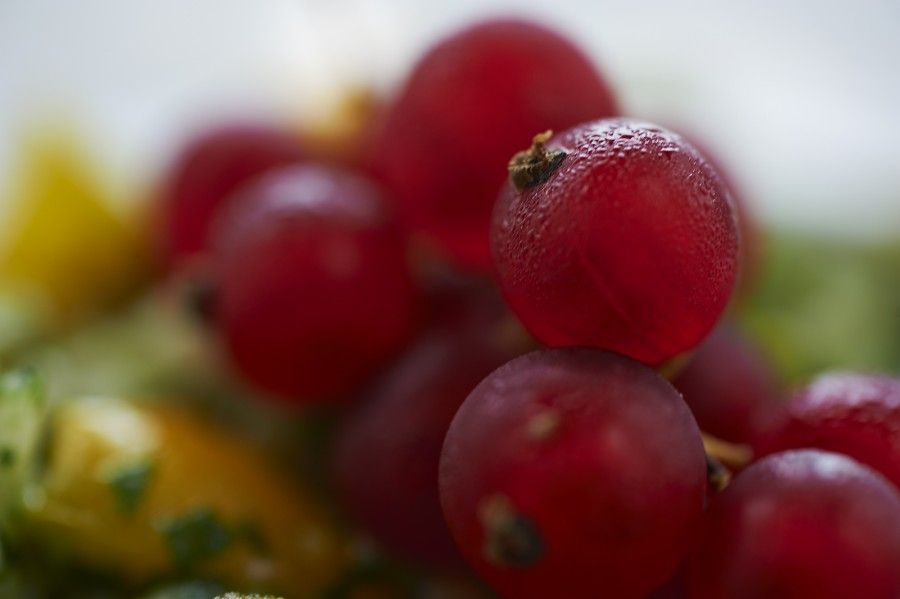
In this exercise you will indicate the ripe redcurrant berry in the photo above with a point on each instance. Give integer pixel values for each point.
(573, 473)
(619, 235)
(314, 293)
(208, 171)
(470, 102)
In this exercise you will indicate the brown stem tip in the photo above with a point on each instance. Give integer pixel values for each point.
(732, 455)
(721, 458)
(535, 165)
(511, 539)
(717, 475)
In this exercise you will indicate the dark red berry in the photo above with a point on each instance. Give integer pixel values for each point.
(731, 389)
(314, 291)
(751, 249)
(676, 587)
(573, 473)
(389, 448)
(801, 524)
(629, 243)
(854, 414)
(208, 171)
(470, 102)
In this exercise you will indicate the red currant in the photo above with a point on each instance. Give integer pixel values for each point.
(573, 473)
(801, 524)
(616, 234)
(470, 102)
(314, 291)
(751, 250)
(854, 414)
(208, 171)
(389, 448)
(731, 389)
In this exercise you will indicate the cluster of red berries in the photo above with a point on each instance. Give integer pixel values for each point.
(572, 471)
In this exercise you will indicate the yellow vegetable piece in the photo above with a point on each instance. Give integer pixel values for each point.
(147, 490)
(64, 243)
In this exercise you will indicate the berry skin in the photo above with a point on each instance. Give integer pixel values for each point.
(854, 414)
(619, 236)
(573, 473)
(676, 587)
(388, 450)
(314, 291)
(801, 524)
(731, 389)
(208, 171)
(470, 102)
(751, 250)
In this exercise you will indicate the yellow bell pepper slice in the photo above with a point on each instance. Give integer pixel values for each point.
(146, 490)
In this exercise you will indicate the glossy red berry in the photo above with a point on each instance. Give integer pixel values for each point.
(801, 524)
(751, 248)
(314, 291)
(854, 414)
(208, 171)
(470, 102)
(732, 390)
(389, 448)
(573, 473)
(619, 235)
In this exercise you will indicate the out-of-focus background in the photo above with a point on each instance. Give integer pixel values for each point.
(108, 329)
(799, 97)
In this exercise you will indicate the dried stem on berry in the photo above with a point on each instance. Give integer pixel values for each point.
(511, 539)
(535, 165)
(721, 458)
(718, 475)
(731, 454)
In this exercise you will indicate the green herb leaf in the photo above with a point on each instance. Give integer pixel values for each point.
(7, 457)
(250, 533)
(22, 424)
(196, 536)
(129, 483)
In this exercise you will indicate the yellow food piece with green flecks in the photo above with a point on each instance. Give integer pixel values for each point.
(63, 243)
(148, 490)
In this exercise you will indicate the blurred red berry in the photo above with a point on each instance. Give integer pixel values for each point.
(314, 292)
(801, 524)
(389, 448)
(854, 414)
(470, 102)
(731, 389)
(208, 171)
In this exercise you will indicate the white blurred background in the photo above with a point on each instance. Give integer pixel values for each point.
(800, 98)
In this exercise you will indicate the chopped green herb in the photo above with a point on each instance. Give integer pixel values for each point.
(196, 536)
(129, 483)
(7, 457)
(239, 596)
(250, 533)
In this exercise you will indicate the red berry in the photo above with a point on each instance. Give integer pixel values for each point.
(854, 414)
(732, 389)
(801, 524)
(469, 103)
(388, 450)
(573, 473)
(618, 235)
(751, 239)
(208, 171)
(314, 291)
(676, 587)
